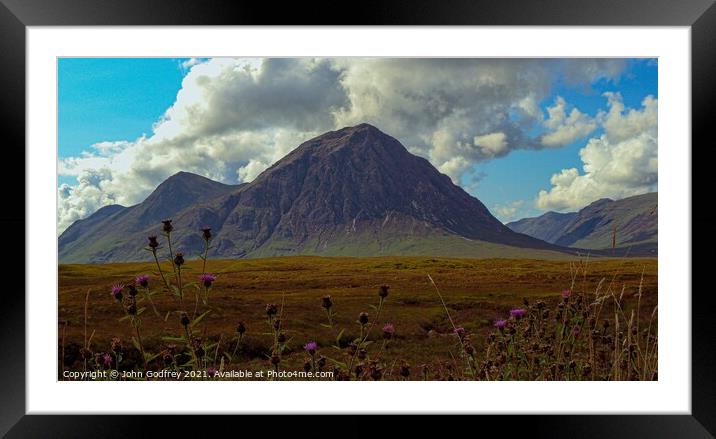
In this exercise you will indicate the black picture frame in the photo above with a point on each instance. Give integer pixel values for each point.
(16, 15)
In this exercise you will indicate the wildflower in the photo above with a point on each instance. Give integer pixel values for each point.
(277, 324)
(321, 362)
(107, 359)
(116, 344)
(362, 353)
(117, 291)
(459, 331)
(153, 244)
(566, 294)
(206, 233)
(271, 309)
(86, 353)
(275, 359)
(388, 331)
(358, 370)
(500, 324)
(132, 290)
(363, 318)
(376, 373)
(383, 291)
(132, 309)
(281, 337)
(207, 279)
(167, 226)
(241, 328)
(326, 302)
(311, 347)
(211, 371)
(142, 280)
(307, 366)
(518, 313)
(184, 319)
(576, 331)
(179, 259)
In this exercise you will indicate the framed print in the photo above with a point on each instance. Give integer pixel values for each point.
(381, 214)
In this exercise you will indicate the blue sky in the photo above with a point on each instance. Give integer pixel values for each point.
(126, 101)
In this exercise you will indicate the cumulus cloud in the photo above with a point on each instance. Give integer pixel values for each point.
(232, 118)
(508, 211)
(619, 163)
(564, 128)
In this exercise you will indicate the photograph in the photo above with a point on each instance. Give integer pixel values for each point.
(357, 219)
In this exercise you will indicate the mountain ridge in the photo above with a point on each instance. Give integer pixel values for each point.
(353, 191)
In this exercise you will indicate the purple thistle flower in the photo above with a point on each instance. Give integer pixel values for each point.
(518, 313)
(501, 324)
(207, 279)
(117, 291)
(388, 331)
(311, 347)
(459, 331)
(566, 294)
(576, 331)
(211, 371)
(142, 280)
(107, 359)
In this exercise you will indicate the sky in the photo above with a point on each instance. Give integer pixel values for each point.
(524, 136)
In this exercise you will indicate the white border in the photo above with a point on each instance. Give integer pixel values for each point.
(671, 394)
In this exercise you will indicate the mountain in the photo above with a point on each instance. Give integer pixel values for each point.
(102, 237)
(629, 223)
(355, 192)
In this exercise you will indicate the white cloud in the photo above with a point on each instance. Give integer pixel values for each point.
(564, 128)
(232, 118)
(508, 212)
(620, 163)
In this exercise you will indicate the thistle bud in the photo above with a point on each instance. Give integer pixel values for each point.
(167, 228)
(132, 290)
(184, 319)
(383, 291)
(132, 309)
(326, 302)
(241, 328)
(363, 318)
(153, 244)
(179, 259)
(206, 233)
(271, 309)
(405, 370)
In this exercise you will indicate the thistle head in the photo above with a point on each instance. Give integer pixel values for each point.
(117, 291)
(142, 280)
(388, 331)
(241, 328)
(518, 313)
(207, 279)
(167, 226)
(311, 347)
(179, 259)
(405, 370)
(153, 243)
(132, 309)
(363, 318)
(184, 319)
(326, 302)
(107, 359)
(211, 371)
(566, 294)
(383, 291)
(500, 324)
(459, 331)
(271, 309)
(132, 290)
(206, 233)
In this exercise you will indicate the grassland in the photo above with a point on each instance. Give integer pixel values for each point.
(477, 292)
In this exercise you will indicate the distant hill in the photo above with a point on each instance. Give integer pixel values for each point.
(352, 192)
(631, 223)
